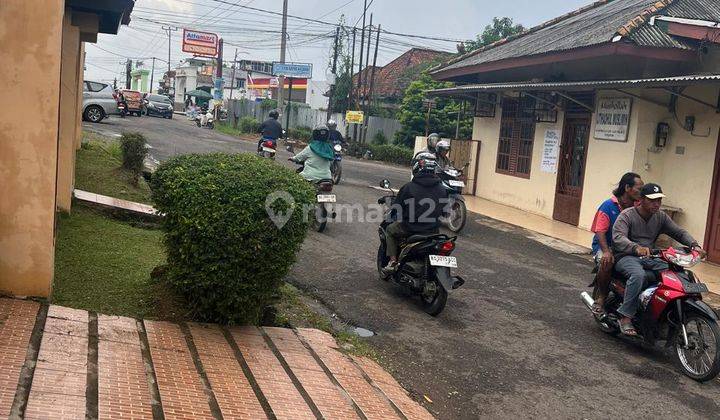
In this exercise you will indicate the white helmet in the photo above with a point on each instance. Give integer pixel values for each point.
(331, 124)
(442, 146)
(432, 141)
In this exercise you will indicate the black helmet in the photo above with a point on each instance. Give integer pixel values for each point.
(321, 133)
(274, 114)
(432, 141)
(424, 163)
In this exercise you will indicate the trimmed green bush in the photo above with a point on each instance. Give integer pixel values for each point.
(249, 125)
(379, 138)
(392, 153)
(301, 133)
(133, 147)
(225, 254)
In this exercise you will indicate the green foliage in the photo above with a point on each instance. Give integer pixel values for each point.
(379, 138)
(499, 29)
(392, 153)
(300, 133)
(343, 80)
(224, 253)
(269, 104)
(443, 118)
(134, 149)
(249, 125)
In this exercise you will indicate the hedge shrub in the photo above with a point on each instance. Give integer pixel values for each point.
(379, 138)
(225, 255)
(133, 147)
(301, 133)
(392, 153)
(249, 125)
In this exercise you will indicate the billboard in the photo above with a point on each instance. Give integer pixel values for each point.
(354, 117)
(299, 70)
(204, 44)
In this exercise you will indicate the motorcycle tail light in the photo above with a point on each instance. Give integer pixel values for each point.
(268, 143)
(446, 247)
(326, 186)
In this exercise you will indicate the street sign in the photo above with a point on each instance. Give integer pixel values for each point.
(354, 117)
(296, 70)
(199, 43)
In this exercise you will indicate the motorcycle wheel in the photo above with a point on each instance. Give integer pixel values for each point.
(268, 155)
(458, 216)
(606, 327)
(336, 170)
(320, 219)
(197, 122)
(704, 343)
(382, 261)
(433, 298)
(211, 125)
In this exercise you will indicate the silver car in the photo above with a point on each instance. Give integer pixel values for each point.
(98, 101)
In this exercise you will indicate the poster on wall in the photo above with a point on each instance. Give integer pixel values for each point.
(612, 118)
(551, 150)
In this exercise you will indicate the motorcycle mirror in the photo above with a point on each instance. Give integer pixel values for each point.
(385, 184)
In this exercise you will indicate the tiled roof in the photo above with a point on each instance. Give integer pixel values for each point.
(595, 24)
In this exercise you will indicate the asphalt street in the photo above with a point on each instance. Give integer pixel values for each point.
(515, 341)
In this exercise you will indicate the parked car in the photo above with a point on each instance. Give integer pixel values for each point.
(99, 101)
(158, 105)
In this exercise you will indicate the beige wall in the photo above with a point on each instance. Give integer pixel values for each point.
(69, 113)
(30, 36)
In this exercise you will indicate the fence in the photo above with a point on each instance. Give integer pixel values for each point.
(304, 116)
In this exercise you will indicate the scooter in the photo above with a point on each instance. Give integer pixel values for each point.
(457, 213)
(122, 109)
(336, 166)
(424, 262)
(672, 311)
(323, 206)
(268, 149)
(206, 120)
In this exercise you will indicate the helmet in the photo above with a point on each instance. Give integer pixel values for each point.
(274, 114)
(442, 146)
(321, 133)
(424, 163)
(432, 141)
(331, 124)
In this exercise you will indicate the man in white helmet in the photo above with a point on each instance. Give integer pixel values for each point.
(335, 136)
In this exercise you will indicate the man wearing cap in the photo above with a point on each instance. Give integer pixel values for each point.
(634, 234)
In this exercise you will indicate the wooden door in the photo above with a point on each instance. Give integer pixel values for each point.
(712, 235)
(571, 169)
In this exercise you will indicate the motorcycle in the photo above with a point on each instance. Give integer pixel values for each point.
(206, 120)
(672, 311)
(336, 167)
(122, 109)
(451, 180)
(323, 206)
(268, 149)
(424, 263)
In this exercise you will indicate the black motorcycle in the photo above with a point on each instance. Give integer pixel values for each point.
(324, 210)
(457, 213)
(424, 263)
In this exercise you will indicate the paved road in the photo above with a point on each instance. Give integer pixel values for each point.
(515, 341)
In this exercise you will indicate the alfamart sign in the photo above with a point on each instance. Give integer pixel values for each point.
(204, 44)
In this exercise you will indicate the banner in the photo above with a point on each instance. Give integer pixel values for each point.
(354, 117)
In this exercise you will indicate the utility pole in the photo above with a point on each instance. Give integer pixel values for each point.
(115, 84)
(232, 82)
(372, 76)
(367, 62)
(169, 30)
(362, 48)
(152, 74)
(283, 40)
(352, 71)
(334, 72)
(128, 76)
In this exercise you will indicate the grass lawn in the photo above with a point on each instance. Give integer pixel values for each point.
(99, 170)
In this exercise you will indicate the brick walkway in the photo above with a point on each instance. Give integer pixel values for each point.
(62, 363)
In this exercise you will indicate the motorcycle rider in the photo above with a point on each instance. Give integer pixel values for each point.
(432, 140)
(420, 204)
(270, 129)
(634, 234)
(335, 136)
(442, 151)
(317, 156)
(624, 197)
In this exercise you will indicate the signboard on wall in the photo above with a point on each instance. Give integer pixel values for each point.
(612, 118)
(354, 117)
(204, 44)
(551, 150)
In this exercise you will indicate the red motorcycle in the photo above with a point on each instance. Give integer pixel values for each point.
(671, 310)
(268, 149)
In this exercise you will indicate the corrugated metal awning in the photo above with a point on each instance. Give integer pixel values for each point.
(657, 82)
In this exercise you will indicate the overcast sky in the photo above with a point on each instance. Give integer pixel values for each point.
(254, 33)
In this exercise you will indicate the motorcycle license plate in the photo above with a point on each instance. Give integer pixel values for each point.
(454, 183)
(268, 149)
(443, 261)
(695, 287)
(326, 198)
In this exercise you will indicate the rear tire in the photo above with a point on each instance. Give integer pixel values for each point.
(336, 170)
(433, 305)
(197, 122)
(321, 215)
(697, 339)
(458, 216)
(382, 261)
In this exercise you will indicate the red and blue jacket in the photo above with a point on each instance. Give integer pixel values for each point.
(604, 220)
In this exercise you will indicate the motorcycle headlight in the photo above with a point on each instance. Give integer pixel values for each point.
(337, 148)
(170, 107)
(684, 260)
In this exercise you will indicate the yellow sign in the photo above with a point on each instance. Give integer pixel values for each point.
(354, 117)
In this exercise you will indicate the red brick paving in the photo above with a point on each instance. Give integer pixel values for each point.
(17, 319)
(59, 382)
(181, 389)
(232, 389)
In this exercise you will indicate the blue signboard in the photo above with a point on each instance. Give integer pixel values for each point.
(298, 70)
(219, 84)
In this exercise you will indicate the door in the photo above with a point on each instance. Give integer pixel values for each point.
(571, 169)
(712, 235)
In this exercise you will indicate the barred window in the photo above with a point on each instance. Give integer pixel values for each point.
(517, 133)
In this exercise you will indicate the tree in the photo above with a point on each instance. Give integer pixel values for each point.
(343, 79)
(499, 29)
(443, 118)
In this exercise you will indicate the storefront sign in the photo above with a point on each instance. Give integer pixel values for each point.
(354, 117)
(199, 43)
(612, 118)
(299, 70)
(551, 150)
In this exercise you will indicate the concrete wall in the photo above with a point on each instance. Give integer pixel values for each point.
(69, 113)
(30, 35)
